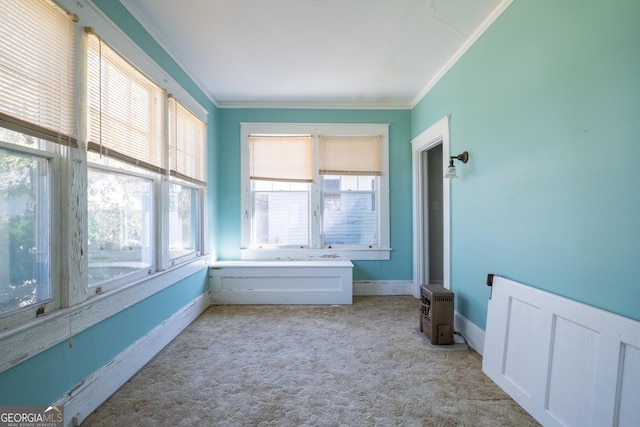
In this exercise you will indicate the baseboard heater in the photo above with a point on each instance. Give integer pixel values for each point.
(566, 363)
(281, 282)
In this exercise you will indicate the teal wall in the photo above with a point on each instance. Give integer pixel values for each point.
(547, 102)
(43, 378)
(228, 167)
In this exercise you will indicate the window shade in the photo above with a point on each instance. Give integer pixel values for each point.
(350, 155)
(186, 144)
(281, 158)
(125, 109)
(37, 41)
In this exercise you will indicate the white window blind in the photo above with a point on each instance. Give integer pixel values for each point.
(350, 155)
(186, 144)
(125, 109)
(37, 42)
(281, 158)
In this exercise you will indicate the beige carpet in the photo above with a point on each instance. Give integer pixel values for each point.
(360, 365)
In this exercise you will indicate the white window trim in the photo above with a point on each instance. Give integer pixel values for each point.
(382, 252)
(22, 315)
(200, 233)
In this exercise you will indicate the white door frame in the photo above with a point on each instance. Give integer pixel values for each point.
(436, 134)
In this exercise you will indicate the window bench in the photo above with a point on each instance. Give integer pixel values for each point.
(281, 282)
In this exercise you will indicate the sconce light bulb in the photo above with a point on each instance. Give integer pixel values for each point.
(451, 172)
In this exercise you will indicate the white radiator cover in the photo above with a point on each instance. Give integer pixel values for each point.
(281, 282)
(566, 363)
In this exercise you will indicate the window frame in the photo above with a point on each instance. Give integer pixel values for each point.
(199, 233)
(140, 273)
(65, 314)
(51, 154)
(316, 251)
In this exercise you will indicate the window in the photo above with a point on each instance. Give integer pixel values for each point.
(125, 124)
(184, 208)
(24, 226)
(37, 41)
(280, 186)
(94, 192)
(187, 164)
(349, 167)
(120, 208)
(349, 210)
(313, 189)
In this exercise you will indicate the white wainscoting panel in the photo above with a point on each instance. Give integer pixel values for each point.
(566, 363)
(281, 282)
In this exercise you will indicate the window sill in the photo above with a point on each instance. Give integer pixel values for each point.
(315, 254)
(57, 326)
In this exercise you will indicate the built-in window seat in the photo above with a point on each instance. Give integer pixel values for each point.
(281, 282)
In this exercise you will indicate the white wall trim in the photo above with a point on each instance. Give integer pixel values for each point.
(436, 134)
(382, 287)
(25, 341)
(473, 334)
(94, 390)
(463, 49)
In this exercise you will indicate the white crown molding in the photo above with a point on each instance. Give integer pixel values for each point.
(144, 21)
(462, 50)
(313, 105)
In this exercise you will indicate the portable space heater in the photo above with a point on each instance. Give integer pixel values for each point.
(436, 314)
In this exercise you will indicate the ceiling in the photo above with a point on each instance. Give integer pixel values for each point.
(315, 53)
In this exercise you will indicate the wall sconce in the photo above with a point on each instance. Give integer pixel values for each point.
(451, 170)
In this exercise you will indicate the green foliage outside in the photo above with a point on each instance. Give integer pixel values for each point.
(18, 268)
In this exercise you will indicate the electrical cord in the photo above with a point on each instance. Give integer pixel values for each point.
(464, 339)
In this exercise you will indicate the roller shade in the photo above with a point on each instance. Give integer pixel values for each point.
(350, 155)
(281, 158)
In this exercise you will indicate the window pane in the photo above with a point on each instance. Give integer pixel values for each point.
(183, 220)
(24, 230)
(281, 218)
(120, 224)
(21, 139)
(348, 183)
(350, 219)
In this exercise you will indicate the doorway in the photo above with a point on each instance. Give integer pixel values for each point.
(431, 211)
(432, 208)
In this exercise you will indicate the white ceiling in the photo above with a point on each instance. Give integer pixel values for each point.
(315, 53)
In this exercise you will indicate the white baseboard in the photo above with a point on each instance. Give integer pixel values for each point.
(382, 287)
(469, 330)
(93, 391)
